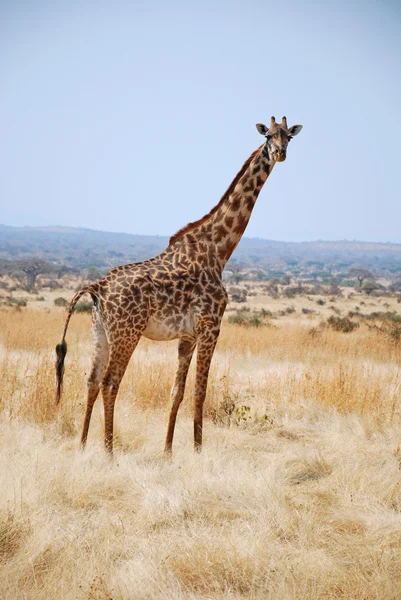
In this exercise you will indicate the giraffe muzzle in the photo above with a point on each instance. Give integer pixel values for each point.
(281, 155)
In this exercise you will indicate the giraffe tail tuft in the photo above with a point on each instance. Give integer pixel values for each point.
(61, 351)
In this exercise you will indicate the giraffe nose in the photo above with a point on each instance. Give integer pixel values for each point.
(281, 155)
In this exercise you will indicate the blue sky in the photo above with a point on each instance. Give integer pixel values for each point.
(136, 116)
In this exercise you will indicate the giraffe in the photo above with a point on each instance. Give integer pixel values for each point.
(177, 294)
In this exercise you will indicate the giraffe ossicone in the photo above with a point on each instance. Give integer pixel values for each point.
(177, 294)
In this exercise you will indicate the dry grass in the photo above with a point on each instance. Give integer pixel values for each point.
(296, 495)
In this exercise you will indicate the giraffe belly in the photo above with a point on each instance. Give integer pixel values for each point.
(158, 329)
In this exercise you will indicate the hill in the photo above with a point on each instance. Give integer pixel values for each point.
(81, 248)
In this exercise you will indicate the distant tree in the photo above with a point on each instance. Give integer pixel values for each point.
(5, 267)
(360, 274)
(260, 275)
(234, 266)
(62, 270)
(236, 277)
(334, 290)
(395, 286)
(272, 288)
(32, 267)
(368, 286)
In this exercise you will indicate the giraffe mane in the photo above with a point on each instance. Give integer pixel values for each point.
(187, 228)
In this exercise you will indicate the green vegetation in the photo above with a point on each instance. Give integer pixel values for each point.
(83, 307)
(343, 324)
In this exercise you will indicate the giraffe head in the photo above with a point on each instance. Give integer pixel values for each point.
(277, 137)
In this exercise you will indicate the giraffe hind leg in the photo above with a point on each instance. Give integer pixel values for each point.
(119, 357)
(99, 362)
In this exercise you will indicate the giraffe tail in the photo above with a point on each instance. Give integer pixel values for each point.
(61, 349)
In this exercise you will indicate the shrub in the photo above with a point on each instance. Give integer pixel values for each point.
(369, 286)
(378, 315)
(289, 293)
(385, 316)
(19, 301)
(253, 319)
(343, 324)
(391, 330)
(238, 294)
(60, 301)
(83, 307)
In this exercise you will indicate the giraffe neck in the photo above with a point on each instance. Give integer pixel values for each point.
(225, 224)
(231, 219)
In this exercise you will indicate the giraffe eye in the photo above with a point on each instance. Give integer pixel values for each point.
(289, 138)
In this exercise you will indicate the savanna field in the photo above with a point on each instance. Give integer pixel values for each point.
(296, 495)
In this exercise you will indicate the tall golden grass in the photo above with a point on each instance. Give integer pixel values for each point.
(296, 495)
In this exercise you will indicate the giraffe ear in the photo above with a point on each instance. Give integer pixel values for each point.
(294, 130)
(263, 130)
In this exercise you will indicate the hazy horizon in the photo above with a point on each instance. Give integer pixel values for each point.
(245, 236)
(136, 117)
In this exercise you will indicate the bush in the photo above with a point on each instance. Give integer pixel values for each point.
(387, 316)
(289, 293)
(60, 301)
(252, 319)
(391, 330)
(83, 307)
(238, 294)
(287, 311)
(19, 301)
(342, 324)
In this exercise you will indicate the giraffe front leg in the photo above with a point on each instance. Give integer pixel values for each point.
(206, 344)
(185, 351)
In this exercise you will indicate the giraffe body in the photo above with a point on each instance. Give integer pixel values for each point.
(177, 294)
